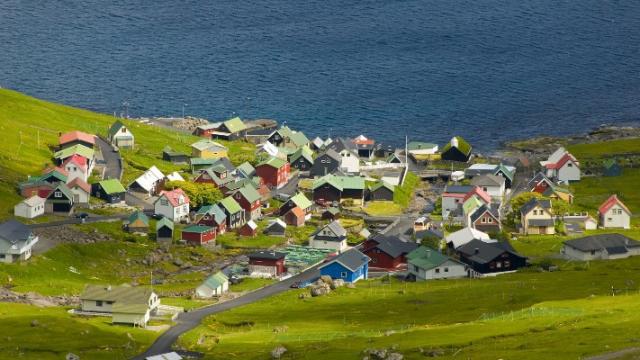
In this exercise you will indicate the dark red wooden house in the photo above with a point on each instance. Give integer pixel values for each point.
(387, 252)
(199, 235)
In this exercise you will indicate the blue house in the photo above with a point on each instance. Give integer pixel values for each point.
(350, 266)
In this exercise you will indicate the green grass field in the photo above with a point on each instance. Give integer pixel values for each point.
(525, 315)
(382, 208)
(57, 333)
(605, 149)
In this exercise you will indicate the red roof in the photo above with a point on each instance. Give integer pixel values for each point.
(57, 168)
(612, 200)
(174, 197)
(481, 193)
(81, 161)
(79, 183)
(563, 160)
(297, 212)
(454, 195)
(77, 136)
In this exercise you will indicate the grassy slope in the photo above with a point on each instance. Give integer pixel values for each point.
(59, 333)
(453, 315)
(22, 154)
(605, 149)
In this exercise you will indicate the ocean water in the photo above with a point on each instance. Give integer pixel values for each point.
(487, 70)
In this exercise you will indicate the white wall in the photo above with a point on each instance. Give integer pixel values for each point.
(569, 172)
(612, 218)
(455, 270)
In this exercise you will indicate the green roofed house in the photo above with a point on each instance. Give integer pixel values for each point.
(458, 149)
(298, 200)
(60, 200)
(246, 170)
(332, 188)
(301, 159)
(506, 173)
(250, 201)
(231, 129)
(164, 231)
(287, 138)
(425, 263)
(274, 171)
(137, 222)
(173, 156)
(120, 136)
(380, 191)
(126, 304)
(234, 212)
(215, 285)
(610, 167)
(78, 149)
(110, 190)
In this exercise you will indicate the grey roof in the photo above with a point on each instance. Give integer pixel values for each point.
(603, 241)
(340, 144)
(541, 222)
(352, 259)
(488, 180)
(486, 252)
(335, 227)
(458, 189)
(14, 231)
(332, 154)
(481, 210)
(529, 205)
(393, 246)
(537, 179)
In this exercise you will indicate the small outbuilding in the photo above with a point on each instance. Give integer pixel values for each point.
(164, 231)
(600, 247)
(276, 227)
(110, 190)
(250, 229)
(267, 263)
(30, 208)
(199, 235)
(215, 285)
(295, 217)
(16, 241)
(137, 222)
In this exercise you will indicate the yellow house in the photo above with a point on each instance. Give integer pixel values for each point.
(208, 149)
(536, 217)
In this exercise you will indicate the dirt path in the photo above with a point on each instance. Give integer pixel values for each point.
(616, 354)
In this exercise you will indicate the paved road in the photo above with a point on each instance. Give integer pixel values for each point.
(113, 165)
(189, 320)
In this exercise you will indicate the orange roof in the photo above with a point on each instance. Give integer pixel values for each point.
(297, 212)
(76, 136)
(612, 200)
(57, 168)
(174, 195)
(79, 183)
(563, 160)
(481, 193)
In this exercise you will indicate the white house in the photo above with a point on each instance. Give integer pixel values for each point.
(30, 208)
(174, 205)
(425, 263)
(120, 136)
(349, 161)
(16, 241)
(600, 247)
(494, 185)
(215, 285)
(463, 236)
(149, 182)
(614, 214)
(536, 217)
(76, 166)
(562, 166)
(81, 191)
(331, 236)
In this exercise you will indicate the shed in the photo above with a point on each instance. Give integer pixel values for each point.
(249, 229)
(164, 231)
(350, 266)
(276, 227)
(199, 235)
(295, 217)
(137, 222)
(610, 167)
(215, 285)
(30, 208)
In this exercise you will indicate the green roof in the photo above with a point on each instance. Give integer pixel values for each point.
(285, 132)
(65, 190)
(301, 201)
(72, 150)
(426, 258)
(609, 163)
(112, 186)
(299, 139)
(169, 151)
(472, 203)
(333, 210)
(115, 127)
(505, 171)
(463, 146)
(216, 280)
(138, 215)
(303, 151)
(214, 210)
(416, 145)
(340, 182)
(206, 144)
(202, 161)
(274, 162)
(246, 168)
(235, 125)
(378, 184)
(164, 222)
(53, 173)
(230, 205)
(250, 193)
(198, 229)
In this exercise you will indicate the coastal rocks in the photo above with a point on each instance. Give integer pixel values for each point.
(52, 236)
(278, 352)
(382, 354)
(32, 298)
(72, 356)
(189, 123)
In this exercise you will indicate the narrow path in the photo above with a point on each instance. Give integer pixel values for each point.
(188, 321)
(113, 161)
(615, 354)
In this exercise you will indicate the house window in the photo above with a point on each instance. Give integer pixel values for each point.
(58, 194)
(343, 274)
(484, 220)
(569, 165)
(498, 264)
(437, 270)
(164, 202)
(535, 212)
(507, 263)
(98, 303)
(593, 252)
(446, 269)
(490, 220)
(415, 268)
(109, 302)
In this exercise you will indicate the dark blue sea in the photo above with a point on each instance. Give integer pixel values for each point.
(487, 70)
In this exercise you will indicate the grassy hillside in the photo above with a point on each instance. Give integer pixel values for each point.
(50, 333)
(528, 315)
(32, 127)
